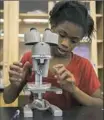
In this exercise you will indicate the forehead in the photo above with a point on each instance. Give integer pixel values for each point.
(70, 28)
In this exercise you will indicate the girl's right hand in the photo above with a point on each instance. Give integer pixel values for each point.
(19, 74)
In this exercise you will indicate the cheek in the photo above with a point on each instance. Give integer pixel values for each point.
(71, 46)
(60, 41)
(66, 43)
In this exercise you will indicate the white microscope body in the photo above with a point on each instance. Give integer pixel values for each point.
(41, 55)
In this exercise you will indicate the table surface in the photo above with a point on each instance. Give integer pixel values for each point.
(77, 113)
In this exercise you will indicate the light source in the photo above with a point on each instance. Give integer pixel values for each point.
(35, 20)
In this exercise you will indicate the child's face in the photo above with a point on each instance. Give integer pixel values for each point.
(70, 35)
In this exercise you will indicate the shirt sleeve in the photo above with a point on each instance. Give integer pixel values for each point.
(23, 59)
(89, 82)
(26, 57)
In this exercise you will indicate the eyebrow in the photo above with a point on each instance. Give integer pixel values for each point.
(72, 37)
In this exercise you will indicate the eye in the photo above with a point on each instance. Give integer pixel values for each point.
(62, 35)
(74, 41)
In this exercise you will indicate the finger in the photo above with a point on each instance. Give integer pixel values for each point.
(14, 73)
(18, 64)
(70, 80)
(64, 75)
(58, 66)
(16, 68)
(70, 74)
(61, 71)
(27, 66)
(62, 83)
(67, 81)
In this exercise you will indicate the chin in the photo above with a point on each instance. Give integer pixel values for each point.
(58, 53)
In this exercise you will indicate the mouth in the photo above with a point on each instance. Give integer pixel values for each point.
(62, 50)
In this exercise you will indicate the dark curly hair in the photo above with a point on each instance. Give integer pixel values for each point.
(72, 11)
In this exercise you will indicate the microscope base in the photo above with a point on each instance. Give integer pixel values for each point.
(27, 112)
(56, 111)
(53, 109)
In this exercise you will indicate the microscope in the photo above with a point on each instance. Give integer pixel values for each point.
(41, 55)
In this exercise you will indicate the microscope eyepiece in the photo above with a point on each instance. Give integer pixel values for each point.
(47, 29)
(33, 29)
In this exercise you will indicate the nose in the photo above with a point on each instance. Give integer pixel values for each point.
(65, 43)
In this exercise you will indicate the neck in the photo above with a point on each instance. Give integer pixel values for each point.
(67, 56)
(61, 60)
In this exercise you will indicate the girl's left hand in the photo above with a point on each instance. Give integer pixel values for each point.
(65, 78)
